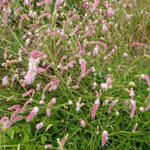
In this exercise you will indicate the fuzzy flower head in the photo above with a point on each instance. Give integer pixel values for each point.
(82, 123)
(5, 81)
(32, 113)
(104, 137)
(40, 125)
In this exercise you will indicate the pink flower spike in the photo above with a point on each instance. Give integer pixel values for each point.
(128, 17)
(53, 101)
(32, 113)
(96, 3)
(70, 102)
(16, 119)
(83, 65)
(147, 98)
(13, 79)
(3, 3)
(147, 107)
(40, 70)
(133, 105)
(96, 104)
(134, 129)
(97, 130)
(137, 44)
(111, 105)
(40, 125)
(49, 146)
(104, 137)
(5, 81)
(5, 53)
(142, 109)
(63, 141)
(14, 107)
(82, 123)
(23, 16)
(48, 112)
(147, 78)
(78, 105)
(38, 87)
(104, 86)
(28, 92)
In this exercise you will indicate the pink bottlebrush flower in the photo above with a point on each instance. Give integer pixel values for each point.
(32, 13)
(13, 116)
(31, 73)
(104, 137)
(49, 146)
(3, 64)
(26, 2)
(126, 56)
(133, 105)
(3, 3)
(40, 3)
(109, 81)
(96, 3)
(147, 78)
(5, 53)
(5, 81)
(23, 16)
(95, 50)
(53, 101)
(134, 129)
(27, 43)
(104, 86)
(38, 86)
(51, 83)
(70, 64)
(4, 122)
(41, 102)
(77, 27)
(14, 107)
(40, 125)
(17, 12)
(94, 84)
(131, 93)
(32, 113)
(59, 2)
(107, 100)
(142, 109)
(97, 130)
(147, 98)
(85, 4)
(111, 105)
(16, 119)
(110, 12)
(137, 44)
(130, 5)
(82, 123)
(40, 70)
(96, 104)
(147, 107)
(48, 111)
(26, 103)
(63, 141)
(79, 105)
(28, 92)
(83, 65)
(44, 15)
(104, 28)
(70, 102)
(61, 47)
(13, 79)
(128, 17)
